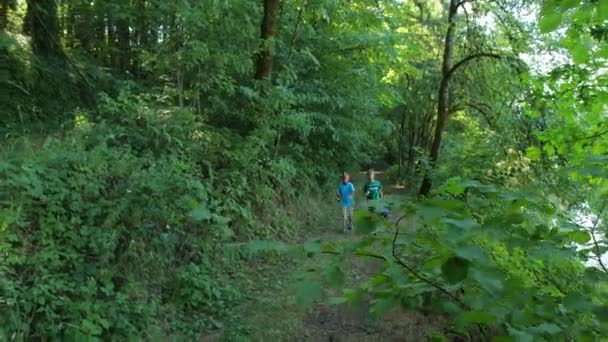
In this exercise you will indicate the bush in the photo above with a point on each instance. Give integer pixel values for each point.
(392, 174)
(92, 238)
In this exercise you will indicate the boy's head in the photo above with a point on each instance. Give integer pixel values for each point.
(345, 177)
(370, 174)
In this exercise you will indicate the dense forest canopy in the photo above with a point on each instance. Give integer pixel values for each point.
(155, 153)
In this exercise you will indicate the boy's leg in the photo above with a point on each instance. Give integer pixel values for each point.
(344, 218)
(350, 217)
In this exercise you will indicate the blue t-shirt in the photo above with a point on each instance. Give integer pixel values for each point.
(346, 192)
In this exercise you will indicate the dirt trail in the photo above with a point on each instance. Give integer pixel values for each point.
(275, 317)
(340, 323)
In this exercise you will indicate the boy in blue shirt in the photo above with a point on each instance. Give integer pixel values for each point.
(346, 196)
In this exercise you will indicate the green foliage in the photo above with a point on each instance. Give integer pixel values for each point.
(104, 236)
(124, 214)
(129, 216)
(496, 267)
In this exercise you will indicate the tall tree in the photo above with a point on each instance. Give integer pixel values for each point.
(448, 69)
(265, 60)
(123, 42)
(444, 92)
(42, 24)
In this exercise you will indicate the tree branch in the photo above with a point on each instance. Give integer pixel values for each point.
(595, 243)
(460, 3)
(357, 253)
(416, 274)
(596, 135)
(468, 59)
(484, 113)
(297, 26)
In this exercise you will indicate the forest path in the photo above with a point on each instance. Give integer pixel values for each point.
(271, 314)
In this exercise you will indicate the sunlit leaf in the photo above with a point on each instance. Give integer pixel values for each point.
(533, 153)
(579, 236)
(550, 21)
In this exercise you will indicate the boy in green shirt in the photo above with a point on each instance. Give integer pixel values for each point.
(373, 190)
(373, 187)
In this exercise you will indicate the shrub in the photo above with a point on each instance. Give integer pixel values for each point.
(118, 228)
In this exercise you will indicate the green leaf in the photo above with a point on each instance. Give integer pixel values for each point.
(601, 312)
(480, 317)
(454, 186)
(365, 222)
(200, 213)
(312, 246)
(514, 217)
(266, 246)
(464, 224)
(567, 4)
(307, 292)
(520, 336)
(550, 21)
(491, 281)
(576, 302)
(579, 236)
(90, 327)
(337, 300)
(533, 153)
(335, 276)
(354, 296)
(602, 10)
(546, 328)
(580, 52)
(586, 336)
(437, 337)
(455, 269)
(382, 305)
(472, 253)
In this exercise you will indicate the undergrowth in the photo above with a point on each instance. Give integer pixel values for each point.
(120, 227)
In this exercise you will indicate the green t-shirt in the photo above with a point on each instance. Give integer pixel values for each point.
(374, 187)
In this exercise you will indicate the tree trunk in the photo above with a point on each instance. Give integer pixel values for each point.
(112, 39)
(140, 36)
(444, 96)
(123, 44)
(400, 149)
(42, 24)
(100, 43)
(263, 69)
(83, 26)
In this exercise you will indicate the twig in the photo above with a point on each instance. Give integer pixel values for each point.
(469, 58)
(595, 243)
(295, 30)
(596, 135)
(365, 254)
(418, 275)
